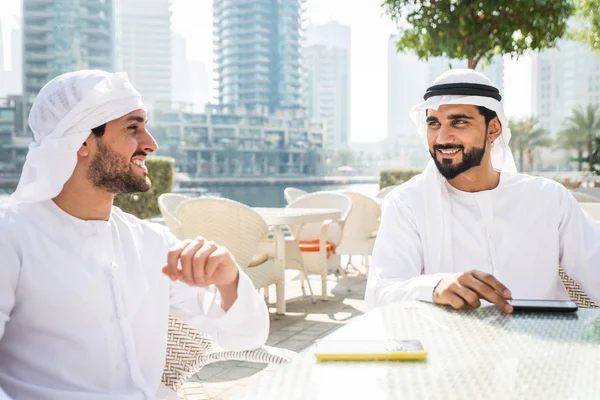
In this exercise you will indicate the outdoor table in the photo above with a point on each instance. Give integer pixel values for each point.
(473, 354)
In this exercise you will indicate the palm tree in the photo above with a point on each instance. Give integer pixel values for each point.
(579, 131)
(311, 160)
(527, 135)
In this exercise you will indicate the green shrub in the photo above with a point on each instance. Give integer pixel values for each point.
(145, 205)
(391, 177)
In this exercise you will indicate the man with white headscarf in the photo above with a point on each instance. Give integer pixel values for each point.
(84, 289)
(470, 228)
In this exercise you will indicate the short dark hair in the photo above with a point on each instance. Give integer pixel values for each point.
(99, 130)
(488, 114)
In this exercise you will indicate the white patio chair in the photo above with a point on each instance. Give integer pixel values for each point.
(360, 229)
(167, 203)
(240, 229)
(292, 194)
(188, 351)
(385, 191)
(311, 250)
(593, 210)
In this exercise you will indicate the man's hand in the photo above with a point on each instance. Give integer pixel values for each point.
(467, 288)
(200, 262)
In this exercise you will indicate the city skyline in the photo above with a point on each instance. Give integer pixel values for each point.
(370, 32)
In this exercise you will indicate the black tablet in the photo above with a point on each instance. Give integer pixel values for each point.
(543, 305)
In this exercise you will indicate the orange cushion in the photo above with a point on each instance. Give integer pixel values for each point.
(312, 246)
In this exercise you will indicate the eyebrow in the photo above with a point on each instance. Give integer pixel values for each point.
(136, 119)
(459, 116)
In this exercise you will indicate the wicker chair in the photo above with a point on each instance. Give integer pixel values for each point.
(575, 292)
(240, 229)
(167, 203)
(360, 230)
(322, 235)
(290, 194)
(188, 351)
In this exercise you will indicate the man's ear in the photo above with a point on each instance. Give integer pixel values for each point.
(84, 150)
(494, 129)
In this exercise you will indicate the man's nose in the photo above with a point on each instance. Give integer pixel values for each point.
(149, 143)
(445, 135)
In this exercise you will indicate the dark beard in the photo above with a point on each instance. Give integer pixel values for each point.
(470, 159)
(112, 172)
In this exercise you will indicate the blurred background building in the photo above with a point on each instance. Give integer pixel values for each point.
(61, 36)
(257, 53)
(327, 63)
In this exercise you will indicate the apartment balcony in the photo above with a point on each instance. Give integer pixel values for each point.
(257, 39)
(98, 17)
(222, 5)
(241, 31)
(31, 43)
(35, 4)
(37, 71)
(254, 59)
(31, 57)
(97, 5)
(38, 28)
(256, 89)
(100, 31)
(37, 14)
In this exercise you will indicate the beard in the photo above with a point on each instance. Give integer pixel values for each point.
(112, 172)
(470, 159)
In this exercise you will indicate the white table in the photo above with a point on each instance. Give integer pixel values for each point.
(278, 217)
(473, 354)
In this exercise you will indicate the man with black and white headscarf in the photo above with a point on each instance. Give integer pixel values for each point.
(84, 291)
(469, 228)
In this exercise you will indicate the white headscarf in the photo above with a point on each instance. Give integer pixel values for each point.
(437, 239)
(61, 118)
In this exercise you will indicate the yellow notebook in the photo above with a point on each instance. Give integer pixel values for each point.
(369, 350)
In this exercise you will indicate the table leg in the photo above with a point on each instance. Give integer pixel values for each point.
(280, 288)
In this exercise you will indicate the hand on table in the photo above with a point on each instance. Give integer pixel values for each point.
(467, 288)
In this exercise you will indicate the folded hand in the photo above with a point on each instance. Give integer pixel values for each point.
(200, 262)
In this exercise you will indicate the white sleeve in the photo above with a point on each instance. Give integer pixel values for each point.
(397, 264)
(9, 275)
(579, 245)
(244, 326)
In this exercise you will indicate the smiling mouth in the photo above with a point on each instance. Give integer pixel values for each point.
(140, 164)
(448, 151)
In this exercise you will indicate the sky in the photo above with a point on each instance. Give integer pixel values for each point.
(369, 35)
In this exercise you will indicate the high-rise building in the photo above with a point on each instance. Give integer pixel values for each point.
(563, 78)
(14, 77)
(327, 64)
(199, 83)
(180, 71)
(63, 36)
(144, 40)
(409, 77)
(11, 71)
(257, 53)
(188, 78)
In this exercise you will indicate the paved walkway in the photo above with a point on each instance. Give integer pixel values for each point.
(303, 323)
